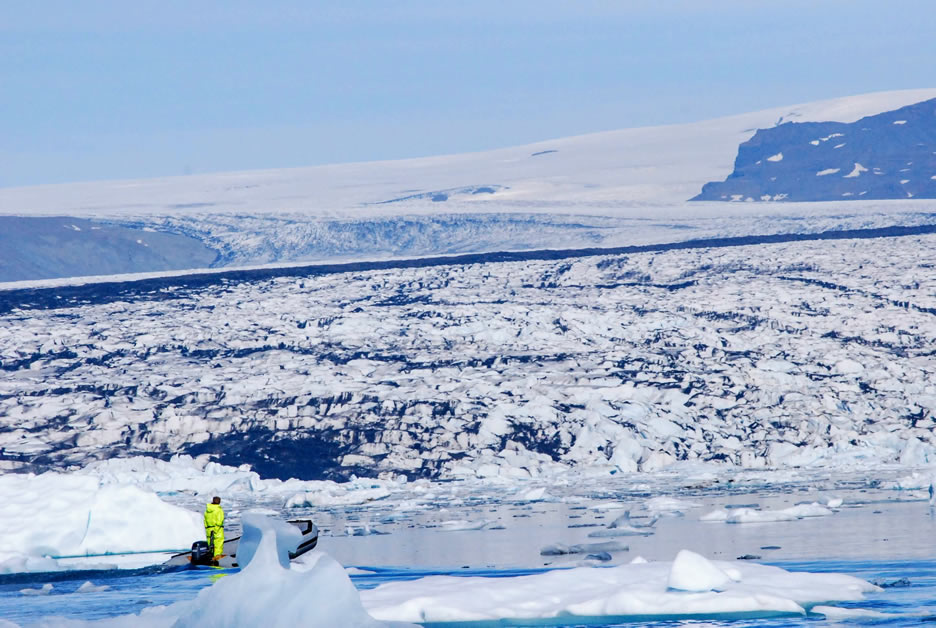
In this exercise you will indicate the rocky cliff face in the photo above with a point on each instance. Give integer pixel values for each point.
(808, 353)
(891, 155)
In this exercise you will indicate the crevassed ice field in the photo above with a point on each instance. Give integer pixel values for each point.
(737, 431)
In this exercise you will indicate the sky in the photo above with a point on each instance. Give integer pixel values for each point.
(109, 89)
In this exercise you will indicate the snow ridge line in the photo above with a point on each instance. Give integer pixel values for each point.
(154, 288)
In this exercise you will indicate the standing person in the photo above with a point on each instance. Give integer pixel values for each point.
(214, 528)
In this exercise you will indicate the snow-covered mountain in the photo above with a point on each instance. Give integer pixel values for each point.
(884, 156)
(608, 189)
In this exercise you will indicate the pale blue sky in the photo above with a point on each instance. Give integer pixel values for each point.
(108, 89)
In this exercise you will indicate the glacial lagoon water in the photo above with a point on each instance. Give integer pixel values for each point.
(886, 537)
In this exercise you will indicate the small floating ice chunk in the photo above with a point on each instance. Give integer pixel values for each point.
(913, 481)
(827, 171)
(777, 157)
(90, 587)
(904, 181)
(365, 530)
(561, 549)
(692, 572)
(668, 505)
(801, 511)
(608, 506)
(625, 522)
(332, 494)
(616, 532)
(856, 171)
(719, 514)
(457, 525)
(45, 590)
(900, 121)
(534, 495)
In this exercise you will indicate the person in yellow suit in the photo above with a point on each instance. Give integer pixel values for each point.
(214, 527)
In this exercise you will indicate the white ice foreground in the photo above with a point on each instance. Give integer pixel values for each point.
(690, 585)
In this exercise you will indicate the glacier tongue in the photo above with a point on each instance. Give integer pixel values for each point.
(760, 356)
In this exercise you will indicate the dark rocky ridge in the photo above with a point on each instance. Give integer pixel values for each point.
(891, 155)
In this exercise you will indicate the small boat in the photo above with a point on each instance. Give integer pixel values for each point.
(200, 554)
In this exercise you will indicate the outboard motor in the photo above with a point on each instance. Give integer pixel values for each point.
(201, 553)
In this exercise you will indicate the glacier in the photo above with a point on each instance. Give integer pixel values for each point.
(767, 355)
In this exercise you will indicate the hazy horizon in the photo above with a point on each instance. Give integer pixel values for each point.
(111, 91)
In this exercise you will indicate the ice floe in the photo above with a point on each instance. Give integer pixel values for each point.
(645, 589)
(752, 515)
(561, 549)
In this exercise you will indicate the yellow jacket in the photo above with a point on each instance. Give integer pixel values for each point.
(214, 516)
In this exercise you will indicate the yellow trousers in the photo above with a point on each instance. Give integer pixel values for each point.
(218, 532)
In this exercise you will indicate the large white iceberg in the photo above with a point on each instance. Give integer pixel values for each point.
(53, 515)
